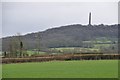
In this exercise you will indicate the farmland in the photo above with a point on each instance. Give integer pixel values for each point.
(57, 55)
(63, 69)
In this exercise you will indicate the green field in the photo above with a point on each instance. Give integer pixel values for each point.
(63, 69)
(0, 71)
(30, 52)
(74, 50)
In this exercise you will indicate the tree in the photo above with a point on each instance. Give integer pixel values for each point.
(38, 42)
(20, 44)
(12, 48)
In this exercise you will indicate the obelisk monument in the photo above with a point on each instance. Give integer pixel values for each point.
(90, 18)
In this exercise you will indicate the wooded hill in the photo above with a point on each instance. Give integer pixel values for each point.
(64, 36)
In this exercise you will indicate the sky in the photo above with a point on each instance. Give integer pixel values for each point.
(28, 17)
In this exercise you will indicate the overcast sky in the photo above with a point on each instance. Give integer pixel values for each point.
(27, 17)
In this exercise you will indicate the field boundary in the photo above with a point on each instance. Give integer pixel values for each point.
(63, 57)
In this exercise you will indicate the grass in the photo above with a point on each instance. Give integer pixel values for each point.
(63, 69)
(0, 71)
(35, 52)
(76, 50)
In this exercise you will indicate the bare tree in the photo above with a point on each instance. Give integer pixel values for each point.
(12, 48)
(38, 41)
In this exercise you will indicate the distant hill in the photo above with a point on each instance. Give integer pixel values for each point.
(65, 36)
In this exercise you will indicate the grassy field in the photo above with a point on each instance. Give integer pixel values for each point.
(76, 50)
(0, 71)
(63, 69)
(35, 52)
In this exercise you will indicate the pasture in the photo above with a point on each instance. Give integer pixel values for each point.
(30, 52)
(62, 69)
(75, 50)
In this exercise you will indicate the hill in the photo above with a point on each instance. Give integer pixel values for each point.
(64, 36)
